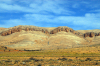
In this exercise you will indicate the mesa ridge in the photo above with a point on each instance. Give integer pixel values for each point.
(46, 31)
(37, 38)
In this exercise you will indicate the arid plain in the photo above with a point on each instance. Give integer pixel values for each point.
(54, 46)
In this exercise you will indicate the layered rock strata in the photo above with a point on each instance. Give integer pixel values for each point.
(44, 30)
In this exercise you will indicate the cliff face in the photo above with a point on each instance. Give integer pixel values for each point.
(32, 37)
(44, 30)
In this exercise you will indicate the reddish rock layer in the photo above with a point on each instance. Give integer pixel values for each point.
(58, 29)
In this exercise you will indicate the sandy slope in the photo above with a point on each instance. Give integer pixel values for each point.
(38, 40)
(35, 40)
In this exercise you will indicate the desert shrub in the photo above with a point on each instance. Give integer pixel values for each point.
(96, 63)
(83, 53)
(50, 59)
(31, 58)
(81, 60)
(9, 50)
(36, 60)
(88, 59)
(5, 47)
(39, 65)
(16, 61)
(70, 60)
(26, 60)
(63, 59)
(8, 61)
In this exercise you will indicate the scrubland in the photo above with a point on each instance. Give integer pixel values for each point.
(82, 56)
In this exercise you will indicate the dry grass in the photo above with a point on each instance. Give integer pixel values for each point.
(73, 56)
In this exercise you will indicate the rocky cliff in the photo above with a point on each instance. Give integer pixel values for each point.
(35, 38)
(44, 30)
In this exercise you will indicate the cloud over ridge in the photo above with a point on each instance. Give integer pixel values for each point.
(51, 13)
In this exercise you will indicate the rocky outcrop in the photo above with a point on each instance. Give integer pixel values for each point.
(58, 29)
(54, 31)
(3, 34)
(90, 34)
(10, 31)
(46, 32)
(86, 35)
(99, 34)
(66, 29)
(26, 28)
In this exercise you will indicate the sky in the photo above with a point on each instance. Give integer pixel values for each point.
(76, 14)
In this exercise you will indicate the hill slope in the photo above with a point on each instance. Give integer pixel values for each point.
(36, 38)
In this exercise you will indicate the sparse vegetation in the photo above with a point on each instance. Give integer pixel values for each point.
(56, 57)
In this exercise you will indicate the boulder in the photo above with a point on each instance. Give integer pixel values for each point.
(19, 29)
(54, 31)
(3, 34)
(86, 35)
(99, 34)
(66, 30)
(42, 30)
(8, 32)
(92, 34)
(89, 34)
(96, 34)
(71, 30)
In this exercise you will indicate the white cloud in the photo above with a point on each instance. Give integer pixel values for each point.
(87, 20)
(35, 7)
(15, 8)
(50, 6)
(50, 11)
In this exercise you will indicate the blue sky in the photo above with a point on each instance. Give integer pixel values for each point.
(76, 14)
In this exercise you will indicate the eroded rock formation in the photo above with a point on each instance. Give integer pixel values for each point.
(99, 34)
(10, 31)
(66, 29)
(58, 29)
(90, 34)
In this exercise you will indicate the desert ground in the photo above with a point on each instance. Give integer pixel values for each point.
(54, 46)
